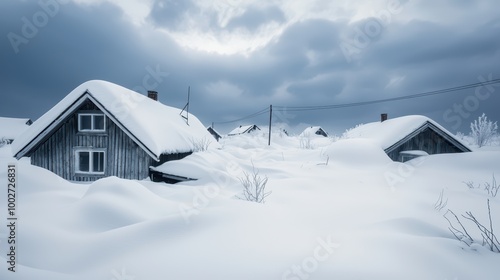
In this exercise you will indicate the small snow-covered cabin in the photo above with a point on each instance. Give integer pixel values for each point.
(101, 129)
(243, 129)
(10, 128)
(214, 133)
(314, 130)
(408, 137)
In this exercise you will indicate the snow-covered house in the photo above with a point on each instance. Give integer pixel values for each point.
(243, 129)
(10, 128)
(214, 133)
(408, 137)
(313, 130)
(101, 129)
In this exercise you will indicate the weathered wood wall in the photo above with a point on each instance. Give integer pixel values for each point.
(124, 158)
(428, 141)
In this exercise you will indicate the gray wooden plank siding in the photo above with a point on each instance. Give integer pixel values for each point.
(428, 141)
(124, 158)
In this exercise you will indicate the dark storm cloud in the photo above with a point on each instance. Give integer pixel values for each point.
(304, 65)
(254, 17)
(171, 13)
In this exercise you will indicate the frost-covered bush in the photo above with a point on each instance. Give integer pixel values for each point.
(483, 130)
(306, 142)
(254, 186)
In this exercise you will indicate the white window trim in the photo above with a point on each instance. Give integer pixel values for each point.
(91, 122)
(91, 162)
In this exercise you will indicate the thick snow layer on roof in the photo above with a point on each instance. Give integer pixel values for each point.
(391, 131)
(310, 131)
(10, 128)
(240, 130)
(159, 127)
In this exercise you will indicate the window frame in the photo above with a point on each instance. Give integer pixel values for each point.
(91, 161)
(92, 122)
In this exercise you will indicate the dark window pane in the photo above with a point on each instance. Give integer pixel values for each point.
(85, 122)
(98, 122)
(84, 161)
(98, 161)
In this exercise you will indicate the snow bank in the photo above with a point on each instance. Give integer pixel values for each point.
(358, 152)
(337, 220)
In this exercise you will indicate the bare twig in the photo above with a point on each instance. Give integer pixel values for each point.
(254, 186)
(489, 237)
(440, 203)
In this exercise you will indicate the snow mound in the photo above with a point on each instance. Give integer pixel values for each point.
(112, 203)
(357, 152)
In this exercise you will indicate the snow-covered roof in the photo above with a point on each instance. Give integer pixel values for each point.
(10, 128)
(155, 127)
(209, 128)
(310, 131)
(391, 131)
(243, 129)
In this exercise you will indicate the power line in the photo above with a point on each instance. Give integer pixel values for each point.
(263, 111)
(418, 95)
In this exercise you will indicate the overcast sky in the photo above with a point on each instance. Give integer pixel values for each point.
(240, 56)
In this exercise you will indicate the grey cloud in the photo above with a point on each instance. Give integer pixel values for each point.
(254, 17)
(171, 13)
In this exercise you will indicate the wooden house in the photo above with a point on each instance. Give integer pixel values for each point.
(314, 130)
(245, 129)
(101, 129)
(408, 137)
(10, 128)
(214, 133)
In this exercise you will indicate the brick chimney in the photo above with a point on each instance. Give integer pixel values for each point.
(383, 117)
(153, 95)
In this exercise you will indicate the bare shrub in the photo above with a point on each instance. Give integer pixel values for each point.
(458, 229)
(483, 130)
(254, 186)
(306, 142)
(200, 145)
(491, 188)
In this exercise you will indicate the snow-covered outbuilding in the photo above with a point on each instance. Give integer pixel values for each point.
(101, 129)
(10, 128)
(243, 129)
(408, 137)
(214, 133)
(313, 130)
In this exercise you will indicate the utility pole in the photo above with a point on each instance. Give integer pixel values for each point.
(270, 122)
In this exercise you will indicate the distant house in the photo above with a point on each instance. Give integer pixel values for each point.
(10, 128)
(101, 129)
(214, 133)
(408, 137)
(243, 129)
(314, 130)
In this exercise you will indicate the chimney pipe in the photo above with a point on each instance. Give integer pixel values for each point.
(153, 95)
(383, 117)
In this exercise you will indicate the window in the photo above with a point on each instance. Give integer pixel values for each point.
(90, 161)
(91, 122)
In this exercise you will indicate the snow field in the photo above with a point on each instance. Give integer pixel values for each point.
(342, 210)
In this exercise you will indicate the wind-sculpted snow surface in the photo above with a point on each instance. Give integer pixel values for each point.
(332, 214)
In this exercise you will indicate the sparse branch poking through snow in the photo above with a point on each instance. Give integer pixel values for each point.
(489, 238)
(254, 186)
(482, 130)
(200, 145)
(440, 203)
